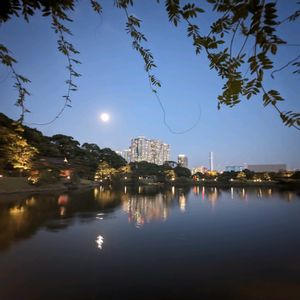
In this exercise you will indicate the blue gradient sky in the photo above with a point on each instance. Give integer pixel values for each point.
(113, 80)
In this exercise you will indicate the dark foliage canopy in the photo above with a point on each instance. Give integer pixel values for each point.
(243, 67)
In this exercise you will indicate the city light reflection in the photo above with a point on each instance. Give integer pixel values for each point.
(16, 210)
(63, 199)
(212, 196)
(203, 193)
(100, 241)
(31, 201)
(100, 216)
(62, 211)
(182, 202)
(196, 190)
(143, 209)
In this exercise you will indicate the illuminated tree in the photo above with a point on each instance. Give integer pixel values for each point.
(266, 176)
(124, 170)
(170, 174)
(15, 150)
(241, 176)
(104, 172)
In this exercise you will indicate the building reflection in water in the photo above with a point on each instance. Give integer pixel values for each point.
(209, 193)
(259, 193)
(203, 193)
(212, 196)
(290, 196)
(143, 209)
(21, 216)
(182, 202)
(270, 192)
(104, 196)
(196, 190)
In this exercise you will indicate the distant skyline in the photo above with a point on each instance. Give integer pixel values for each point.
(114, 82)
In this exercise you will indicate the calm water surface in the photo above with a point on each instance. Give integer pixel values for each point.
(203, 243)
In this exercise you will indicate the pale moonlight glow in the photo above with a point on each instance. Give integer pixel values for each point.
(104, 117)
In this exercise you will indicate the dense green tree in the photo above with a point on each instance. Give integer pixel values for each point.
(249, 174)
(296, 175)
(41, 142)
(68, 147)
(182, 172)
(170, 163)
(85, 160)
(169, 175)
(227, 176)
(243, 36)
(144, 168)
(112, 158)
(92, 148)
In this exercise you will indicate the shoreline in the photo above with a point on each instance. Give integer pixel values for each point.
(24, 187)
(17, 185)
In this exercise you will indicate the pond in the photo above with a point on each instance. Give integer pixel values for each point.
(151, 243)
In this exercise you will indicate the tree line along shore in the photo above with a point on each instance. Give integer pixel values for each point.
(31, 161)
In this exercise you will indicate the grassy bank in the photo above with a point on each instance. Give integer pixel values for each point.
(21, 185)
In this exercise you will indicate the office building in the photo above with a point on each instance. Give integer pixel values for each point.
(182, 160)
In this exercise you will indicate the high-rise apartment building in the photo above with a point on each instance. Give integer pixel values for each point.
(126, 154)
(149, 150)
(119, 152)
(182, 160)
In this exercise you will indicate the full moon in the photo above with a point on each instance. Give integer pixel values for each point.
(104, 117)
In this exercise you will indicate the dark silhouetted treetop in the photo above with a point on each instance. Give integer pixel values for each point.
(241, 45)
(112, 158)
(182, 172)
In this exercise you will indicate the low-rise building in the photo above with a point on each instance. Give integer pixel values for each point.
(234, 168)
(267, 168)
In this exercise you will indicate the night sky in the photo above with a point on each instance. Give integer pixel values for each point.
(114, 81)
